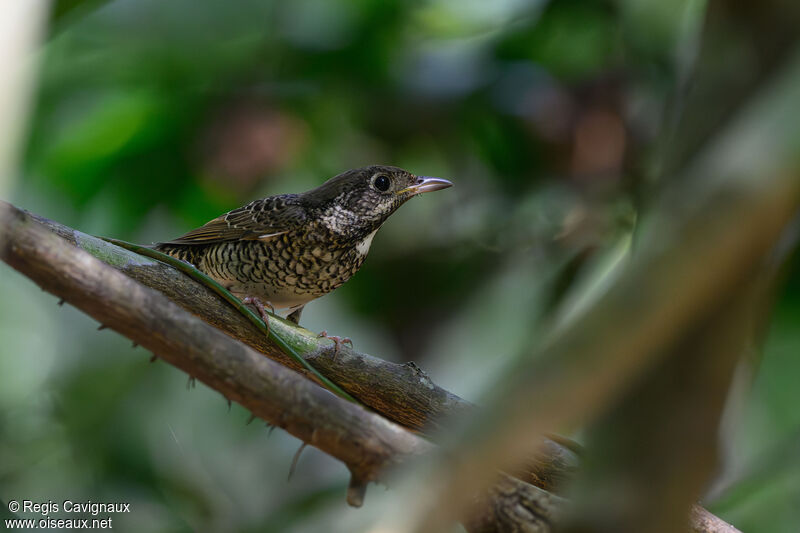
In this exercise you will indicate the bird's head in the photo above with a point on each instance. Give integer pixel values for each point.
(363, 198)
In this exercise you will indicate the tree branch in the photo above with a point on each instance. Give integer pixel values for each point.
(365, 442)
(662, 443)
(513, 505)
(401, 392)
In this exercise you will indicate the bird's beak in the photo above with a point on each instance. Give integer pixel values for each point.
(426, 184)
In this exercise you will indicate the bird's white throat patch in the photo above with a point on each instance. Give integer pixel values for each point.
(363, 247)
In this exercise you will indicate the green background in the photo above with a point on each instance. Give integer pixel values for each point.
(152, 117)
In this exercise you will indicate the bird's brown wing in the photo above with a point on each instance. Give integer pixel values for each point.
(261, 220)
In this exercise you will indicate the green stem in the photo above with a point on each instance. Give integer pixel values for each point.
(193, 272)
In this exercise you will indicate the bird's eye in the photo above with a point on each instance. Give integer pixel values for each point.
(381, 182)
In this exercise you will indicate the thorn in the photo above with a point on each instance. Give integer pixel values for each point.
(411, 365)
(295, 459)
(61, 302)
(229, 404)
(101, 327)
(191, 383)
(271, 429)
(250, 420)
(134, 345)
(154, 358)
(356, 491)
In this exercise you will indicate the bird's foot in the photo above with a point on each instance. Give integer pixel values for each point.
(261, 307)
(337, 341)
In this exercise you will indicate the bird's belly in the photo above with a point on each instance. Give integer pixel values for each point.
(280, 272)
(277, 298)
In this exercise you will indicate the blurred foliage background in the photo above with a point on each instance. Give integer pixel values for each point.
(151, 118)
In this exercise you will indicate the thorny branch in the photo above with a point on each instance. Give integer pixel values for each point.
(61, 261)
(366, 442)
(402, 393)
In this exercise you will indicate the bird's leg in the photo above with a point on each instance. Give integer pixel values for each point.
(261, 307)
(337, 341)
(294, 316)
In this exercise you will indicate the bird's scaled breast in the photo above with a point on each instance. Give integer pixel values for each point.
(286, 271)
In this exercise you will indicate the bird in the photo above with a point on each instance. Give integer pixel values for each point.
(286, 250)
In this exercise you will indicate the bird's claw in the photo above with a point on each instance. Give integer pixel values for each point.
(261, 307)
(337, 341)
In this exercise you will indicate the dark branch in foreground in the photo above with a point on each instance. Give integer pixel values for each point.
(367, 443)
